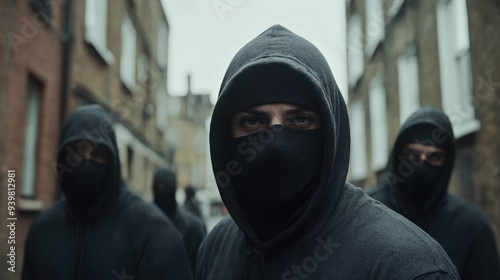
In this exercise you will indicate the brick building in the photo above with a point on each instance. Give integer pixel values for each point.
(56, 55)
(406, 54)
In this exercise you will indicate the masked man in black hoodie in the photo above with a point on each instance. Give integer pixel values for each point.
(191, 227)
(416, 183)
(100, 230)
(279, 141)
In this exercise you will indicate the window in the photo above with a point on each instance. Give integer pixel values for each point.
(128, 56)
(358, 152)
(455, 65)
(355, 57)
(161, 108)
(96, 12)
(30, 137)
(378, 125)
(162, 45)
(374, 25)
(409, 100)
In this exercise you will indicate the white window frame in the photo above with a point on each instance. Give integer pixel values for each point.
(455, 66)
(355, 57)
(358, 170)
(96, 14)
(375, 26)
(129, 54)
(408, 83)
(378, 124)
(162, 45)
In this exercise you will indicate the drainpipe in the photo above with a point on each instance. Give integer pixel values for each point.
(67, 41)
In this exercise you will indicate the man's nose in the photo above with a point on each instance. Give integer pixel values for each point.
(276, 121)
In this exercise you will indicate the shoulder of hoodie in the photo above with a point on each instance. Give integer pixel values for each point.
(225, 233)
(193, 222)
(52, 217)
(381, 231)
(140, 212)
(470, 218)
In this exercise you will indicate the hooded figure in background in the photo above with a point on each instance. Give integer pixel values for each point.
(191, 203)
(100, 230)
(279, 141)
(191, 228)
(416, 186)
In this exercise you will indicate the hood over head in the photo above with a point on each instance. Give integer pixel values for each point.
(413, 194)
(164, 189)
(279, 66)
(91, 189)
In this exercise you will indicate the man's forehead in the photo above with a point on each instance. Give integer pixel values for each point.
(423, 147)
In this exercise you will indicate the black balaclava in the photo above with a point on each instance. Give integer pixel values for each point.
(164, 188)
(283, 195)
(418, 188)
(274, 184)
(84, 184)
(91, 188)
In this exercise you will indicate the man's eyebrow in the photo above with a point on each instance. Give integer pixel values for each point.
(297, 109)
(253, 111)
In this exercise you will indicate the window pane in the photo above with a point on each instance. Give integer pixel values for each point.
(409, 100)
(374, 25)
(31, 137)
(378, 125)
(128, 56)
(355, 58)
(358, 152)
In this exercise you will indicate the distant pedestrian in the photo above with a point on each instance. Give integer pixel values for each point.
(416, 186)
(279, 143)
(191, 227)
(191, 203)
(99, 230)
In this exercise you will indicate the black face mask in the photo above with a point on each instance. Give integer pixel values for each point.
(280, 168)
(164, 198)
(84, 184)
(420, 184)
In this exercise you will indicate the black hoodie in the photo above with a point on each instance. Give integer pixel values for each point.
(120, 236)
(191, 227)
(341, 233)
(462, 230)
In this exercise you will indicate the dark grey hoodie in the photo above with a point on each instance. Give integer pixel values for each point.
(119, 236)
(462, 230)
(341, 233)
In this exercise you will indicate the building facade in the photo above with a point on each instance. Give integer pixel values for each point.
(407, 54)
(56, 55)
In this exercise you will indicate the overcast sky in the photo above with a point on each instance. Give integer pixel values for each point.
(205, 35)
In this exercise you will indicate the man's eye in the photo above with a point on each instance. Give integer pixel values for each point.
(302, 119)
(436, 156)
(250, 121)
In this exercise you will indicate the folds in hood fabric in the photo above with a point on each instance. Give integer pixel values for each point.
(341, 233)
(118, 235)
(462, 230)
